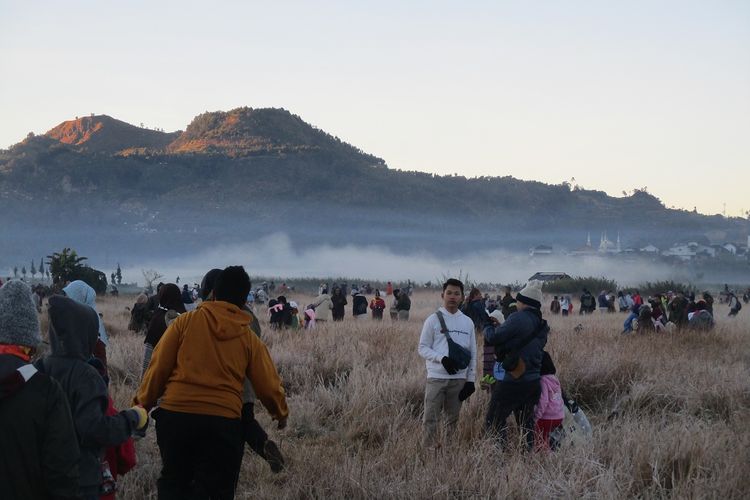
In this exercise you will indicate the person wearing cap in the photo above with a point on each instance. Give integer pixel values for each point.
(196, 375)
(73, 333)
(525, 333)
(38, 439)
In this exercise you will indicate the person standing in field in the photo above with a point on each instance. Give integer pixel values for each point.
(506, 302)
(519, 342)
(565, 305)
(448, 383)
(403, 305)
(377, 305)
(338, 299)
(359, 305)
(555, 306)
(196, 374)
(323, 307)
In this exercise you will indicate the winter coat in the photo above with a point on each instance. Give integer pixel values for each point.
(505, 303)
(403, 303)
(338, 300)
(323, 307)
(40, 453)
(170, 297)
(476, 312)
(511, 333)
(201, 363)
(72, 335)
(121, 459)
(551, 405)
(359, 305)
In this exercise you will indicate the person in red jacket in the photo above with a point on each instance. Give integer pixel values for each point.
(378, 306)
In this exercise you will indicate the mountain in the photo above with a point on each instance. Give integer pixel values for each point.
(104, 134)
(100, 185)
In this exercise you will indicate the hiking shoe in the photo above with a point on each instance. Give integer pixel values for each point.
(273, 456)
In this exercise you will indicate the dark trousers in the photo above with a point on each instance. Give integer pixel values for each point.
(253, 433)
(518, 398)
(201, 455)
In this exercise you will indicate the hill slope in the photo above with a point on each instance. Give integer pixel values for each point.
(237, 175)
(104, 134)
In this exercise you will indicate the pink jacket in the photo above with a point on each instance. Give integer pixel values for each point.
(550, 406)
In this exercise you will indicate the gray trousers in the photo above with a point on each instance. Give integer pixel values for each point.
(440, 395)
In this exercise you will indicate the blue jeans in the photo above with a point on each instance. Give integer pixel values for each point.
(628, 325)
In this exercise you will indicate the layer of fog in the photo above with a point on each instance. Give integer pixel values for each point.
(275, 256)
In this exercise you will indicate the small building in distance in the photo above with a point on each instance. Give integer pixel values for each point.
(547, 276)
(540, 250)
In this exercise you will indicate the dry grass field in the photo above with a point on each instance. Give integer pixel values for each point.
(670, 414)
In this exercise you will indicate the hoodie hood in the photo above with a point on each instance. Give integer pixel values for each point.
(82, 293)
(73, 328)
(225, 321)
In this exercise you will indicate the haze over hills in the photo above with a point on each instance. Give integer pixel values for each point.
(102, 185)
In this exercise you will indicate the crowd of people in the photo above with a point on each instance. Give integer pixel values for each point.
(205, 367)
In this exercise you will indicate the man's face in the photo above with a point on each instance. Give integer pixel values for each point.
(452, 297)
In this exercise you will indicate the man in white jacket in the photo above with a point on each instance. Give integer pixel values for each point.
(447, 385)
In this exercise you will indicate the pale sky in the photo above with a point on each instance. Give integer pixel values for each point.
(619, 95)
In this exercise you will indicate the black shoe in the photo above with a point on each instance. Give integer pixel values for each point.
(273, 456)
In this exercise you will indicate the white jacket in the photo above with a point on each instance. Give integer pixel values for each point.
(433, 345)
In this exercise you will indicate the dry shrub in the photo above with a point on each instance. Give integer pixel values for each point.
(669, 414)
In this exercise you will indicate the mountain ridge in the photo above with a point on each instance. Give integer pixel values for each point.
(259, 171)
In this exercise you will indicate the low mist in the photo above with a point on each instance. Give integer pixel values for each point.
(276, 256)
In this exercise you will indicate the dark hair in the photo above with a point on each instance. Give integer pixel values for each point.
(209, 282)
(281, 299)
(232, 285)
(548, 367)
(475, 292)
(454, 282)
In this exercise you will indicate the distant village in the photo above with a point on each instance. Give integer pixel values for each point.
(681, 251)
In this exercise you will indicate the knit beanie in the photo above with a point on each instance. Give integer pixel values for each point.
(531, 295)
(19, 323)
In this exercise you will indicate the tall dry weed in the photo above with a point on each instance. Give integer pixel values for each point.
(669, 414)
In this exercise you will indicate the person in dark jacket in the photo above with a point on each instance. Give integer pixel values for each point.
(403, 305)
(170, 298)
(518, 395)
(359, 305)
(73, 332)
(40, 451)
(339, 301)
(506, 302)
(474, 309)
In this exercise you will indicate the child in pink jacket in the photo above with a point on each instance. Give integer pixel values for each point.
(550, 410)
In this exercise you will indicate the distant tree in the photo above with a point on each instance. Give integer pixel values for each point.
(33, 269)
(64, 265)
(15, 271)
(177, 281)
(112, 277)
(48, 274)
(118, 275)
(41, 267)
(23, 271)
(149, 276)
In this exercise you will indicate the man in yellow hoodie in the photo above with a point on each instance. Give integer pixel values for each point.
(197, 372)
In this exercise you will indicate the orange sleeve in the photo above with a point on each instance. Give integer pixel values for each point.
(160, 368)
(265, 379)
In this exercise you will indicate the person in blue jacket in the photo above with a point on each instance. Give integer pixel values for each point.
(523, 333)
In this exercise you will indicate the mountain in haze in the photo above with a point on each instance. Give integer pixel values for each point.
(101, 185)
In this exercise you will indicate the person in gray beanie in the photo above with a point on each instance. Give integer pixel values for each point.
(38, 440)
